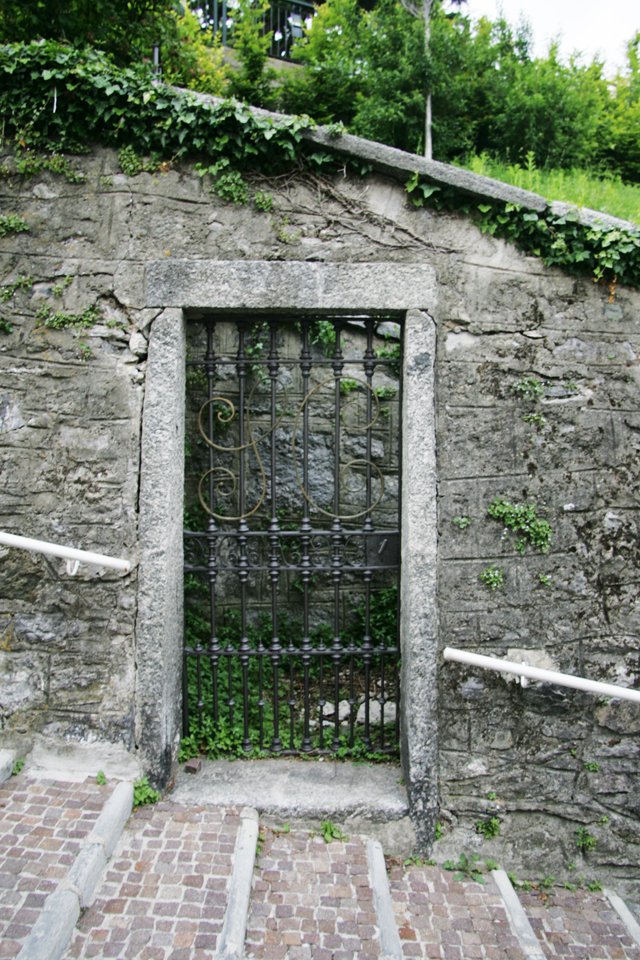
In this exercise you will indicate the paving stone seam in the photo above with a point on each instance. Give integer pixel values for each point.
(234, 927)
(631, 924)
(55, 924)
(519, 921)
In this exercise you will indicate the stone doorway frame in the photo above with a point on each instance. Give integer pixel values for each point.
(185, 287)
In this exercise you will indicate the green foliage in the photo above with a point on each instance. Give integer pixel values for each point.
(491, 864)
(58, 320)
(129, 161)
(491, 796)
(225, 737)
(85, 352)
(522, 519)
(330, 832)
(390, 351)
(263, 201)
(143, 793)
(363, 71)
(584, 840)
(598, 191)
(126, 29)
(17, 767)
(545, 579)
(97, 101)
(253, 82)
(347, 386)
(536, 419)
(592, 766)
(11, 222)
(192, 57)
(461, 522)
(492, 577)
(529, 388)
(594, 886)
(600, 251)
(488, 828)
(547, 883)
(439, 832)
(5, 327)
(59, 288)
(29, 164)
(466, 868)
(385, 393)
(9, 290)
(100, 778)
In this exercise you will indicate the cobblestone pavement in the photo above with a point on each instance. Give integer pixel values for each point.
(439, 917)
(578, 925)
(311, 899)
(41, 825)
(163, 895)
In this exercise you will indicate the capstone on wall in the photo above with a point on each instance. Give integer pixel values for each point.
(70, 426)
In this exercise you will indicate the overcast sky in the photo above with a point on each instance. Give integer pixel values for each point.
(590, 26)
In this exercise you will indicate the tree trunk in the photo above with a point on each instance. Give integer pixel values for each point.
(426, 13)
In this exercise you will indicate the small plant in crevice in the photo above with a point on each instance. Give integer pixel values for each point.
(594, 886)
(529, 388)
(387, 392)
(391, 351)
(144, 793)
(584, 840)
(17, 767)
(466, 868)
(6, 327)
(85, 353)
(544, 579)
(59, 288)
(9, 290)
(536, 419)
(591, 766)
(439, 832)
(524, 521)
(548, 883)
(461, 522)
(58, 320)
(330, 832)
(489, 828)
(491, 864)
(100, 778)
(12, 223)
(263, 201)
(492, 577)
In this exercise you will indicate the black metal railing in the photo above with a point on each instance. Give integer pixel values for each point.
(284, 19)
(292, 603)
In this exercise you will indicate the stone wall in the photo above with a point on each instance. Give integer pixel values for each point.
(70, 449)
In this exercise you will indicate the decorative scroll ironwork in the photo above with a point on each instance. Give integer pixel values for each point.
(298, 632)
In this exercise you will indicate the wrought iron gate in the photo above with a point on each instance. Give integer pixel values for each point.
(292, 551)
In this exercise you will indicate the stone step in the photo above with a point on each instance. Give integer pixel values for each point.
(578, 923)
(165, 891)
(311, 899)
(186, 882)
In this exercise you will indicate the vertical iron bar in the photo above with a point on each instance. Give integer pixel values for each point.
(243, 572)
(336, 537)
(212, 563)
(305, 541)
(274, 529)
(224, 22)
(367, 645)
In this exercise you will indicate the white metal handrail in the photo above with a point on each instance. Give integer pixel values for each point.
(537, 673)
(70, 554)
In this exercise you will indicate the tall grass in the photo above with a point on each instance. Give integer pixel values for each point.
(607, 194)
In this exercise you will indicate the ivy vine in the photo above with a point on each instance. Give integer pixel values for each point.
(603, 252)
(57, 98)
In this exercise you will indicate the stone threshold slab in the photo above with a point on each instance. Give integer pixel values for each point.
(312, 789)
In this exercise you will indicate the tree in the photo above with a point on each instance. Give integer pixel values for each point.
(124, 28)
(425, 11)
